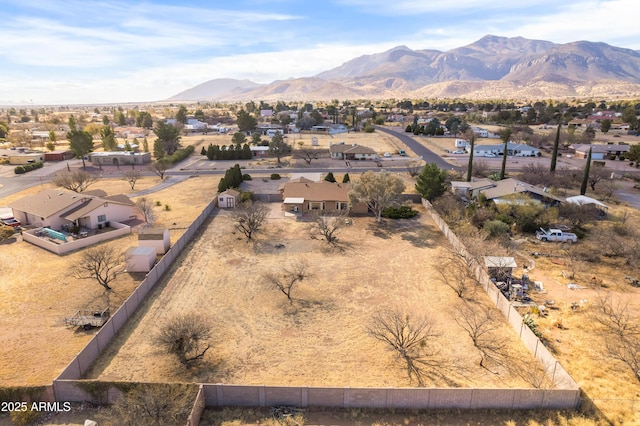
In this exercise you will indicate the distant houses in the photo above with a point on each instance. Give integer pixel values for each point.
(342, 151)
(513, 149)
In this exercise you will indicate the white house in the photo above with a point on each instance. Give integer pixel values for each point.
(228, 199)
(462, 143)
(481, 133)
(342, 151)
(513, 149)
(195, 125)
(59, 208)
(158, 238)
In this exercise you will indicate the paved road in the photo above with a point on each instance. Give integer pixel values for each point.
(420, 150)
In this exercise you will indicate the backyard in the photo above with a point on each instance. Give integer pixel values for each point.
(320, 338)
(38, 288)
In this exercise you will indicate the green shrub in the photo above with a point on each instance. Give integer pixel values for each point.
(400, 212)
(369, 128)
(275, 176)
(158, 203)
(246, 176)
(166, 207)
(246, 196)
(27, 168)
(496, 228)
(180, 155)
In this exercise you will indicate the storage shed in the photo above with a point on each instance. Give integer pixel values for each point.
(499, 267)
(158, 238)
(228, 199)
(139, 259)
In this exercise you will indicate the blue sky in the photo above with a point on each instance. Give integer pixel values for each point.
(79, 51)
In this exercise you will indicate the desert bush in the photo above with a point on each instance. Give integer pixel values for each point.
(275, 176)
(246, 176)
(399, 212)
(496, 228)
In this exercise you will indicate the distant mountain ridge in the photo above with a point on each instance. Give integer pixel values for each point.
(491, 67)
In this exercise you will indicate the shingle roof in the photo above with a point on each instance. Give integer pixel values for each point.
(351, 149)
(51, 201)
(317, 191)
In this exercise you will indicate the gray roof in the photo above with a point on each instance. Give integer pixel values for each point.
(52, 201)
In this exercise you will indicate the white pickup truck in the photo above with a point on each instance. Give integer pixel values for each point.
(556, 235)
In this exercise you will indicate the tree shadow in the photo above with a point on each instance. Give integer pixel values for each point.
(379, 230)
(419, 237)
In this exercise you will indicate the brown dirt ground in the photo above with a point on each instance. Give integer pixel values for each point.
(576, 344)
(319, 339)
(37, 289)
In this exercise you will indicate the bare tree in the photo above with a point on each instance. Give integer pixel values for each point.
(145, 207)
(101, 263)
(481, 168)
(186, 336)
(578, 214)
(455, 273)
(620, 330)
(328, 227)
(76, 181)
(597, 173)
(249, 217)
(533, 372)
(309, 154)
(414, 167)
(155, 404)
(132, 177)
(286, 281)
(410, 338)
(160, 167)
(480, 323)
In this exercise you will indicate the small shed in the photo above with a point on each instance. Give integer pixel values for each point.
(228, 199)
(500, 267)
(139, 259)
(158, 238)
(59, 155)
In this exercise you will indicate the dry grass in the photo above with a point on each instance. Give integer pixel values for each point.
(37, 289)
(610, 385)
(318, 340)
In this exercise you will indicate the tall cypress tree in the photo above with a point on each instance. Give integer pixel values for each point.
(506, 135)
(222, 185)
(585, 178)
(470, 165)
(554, 156)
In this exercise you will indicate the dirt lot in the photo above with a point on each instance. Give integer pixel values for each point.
(38, 290)
(319, 339)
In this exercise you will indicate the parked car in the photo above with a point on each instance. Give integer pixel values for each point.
(490, 155)
(459, 151)
(387, 155)
(11, 222)
(402, 153)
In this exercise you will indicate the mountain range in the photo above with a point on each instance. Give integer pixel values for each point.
(491, 68)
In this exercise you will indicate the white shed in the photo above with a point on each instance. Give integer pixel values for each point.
(139, 259)
(157, 238)
(228, 199)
